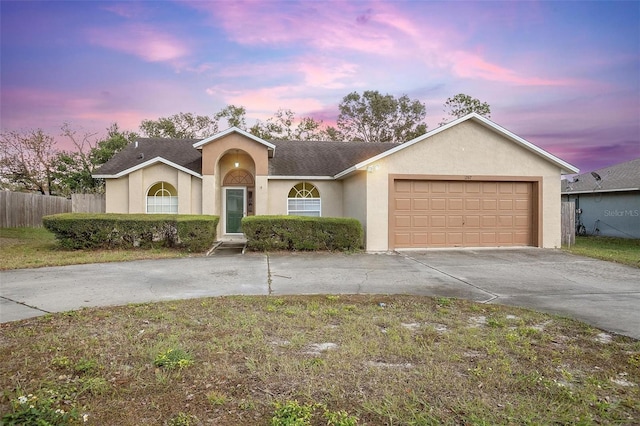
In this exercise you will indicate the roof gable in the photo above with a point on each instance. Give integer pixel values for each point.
(143, 152)
(220, 135)
(563, 165)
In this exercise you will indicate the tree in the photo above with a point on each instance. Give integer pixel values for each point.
(72, 169)
(26, 161)
(234, 115)
(461, 105)
(115, 142)
(282, 127)
(180, 126)
(373, 117)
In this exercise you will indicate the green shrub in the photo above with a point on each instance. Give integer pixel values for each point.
(302, 233)
(109, 230)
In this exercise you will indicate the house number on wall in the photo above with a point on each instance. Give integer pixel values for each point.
(468, 177)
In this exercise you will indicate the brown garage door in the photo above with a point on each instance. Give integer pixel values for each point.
(461, 214)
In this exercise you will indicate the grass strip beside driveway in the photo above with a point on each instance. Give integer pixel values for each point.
(382, 359)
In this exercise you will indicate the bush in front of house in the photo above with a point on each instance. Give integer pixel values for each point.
(302, 233)
(194, 233)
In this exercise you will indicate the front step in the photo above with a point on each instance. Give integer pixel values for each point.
(227, 248)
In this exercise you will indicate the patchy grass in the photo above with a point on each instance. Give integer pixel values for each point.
(37, 247)
(394, 360)
(620, 250)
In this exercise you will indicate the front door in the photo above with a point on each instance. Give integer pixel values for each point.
(235, 209)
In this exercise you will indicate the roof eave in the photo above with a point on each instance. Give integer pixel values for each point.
(294, 177)
(594, 191)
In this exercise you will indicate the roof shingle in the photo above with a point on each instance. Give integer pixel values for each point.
(613, 178)
(292, 158)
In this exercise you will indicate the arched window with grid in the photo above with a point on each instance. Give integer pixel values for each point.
(304, 200)
(162, 197)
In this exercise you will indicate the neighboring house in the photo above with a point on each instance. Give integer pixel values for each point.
(469, 183)
(607, 200)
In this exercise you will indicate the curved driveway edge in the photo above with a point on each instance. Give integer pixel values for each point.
(603, 294)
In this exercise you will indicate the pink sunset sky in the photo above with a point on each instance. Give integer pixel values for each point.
(563, 75)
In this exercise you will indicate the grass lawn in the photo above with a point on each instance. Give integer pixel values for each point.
(37, 247)
(394, 360)
(319, 360)
(621, 250)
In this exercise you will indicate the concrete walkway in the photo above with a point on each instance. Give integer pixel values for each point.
(604, 294)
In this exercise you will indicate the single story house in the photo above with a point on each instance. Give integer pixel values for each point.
(469, 183)
(607, 200)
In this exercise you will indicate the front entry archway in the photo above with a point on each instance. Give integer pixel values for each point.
(237, 199)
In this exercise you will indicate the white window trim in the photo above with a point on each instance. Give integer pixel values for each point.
(162, 204)
(291, 212)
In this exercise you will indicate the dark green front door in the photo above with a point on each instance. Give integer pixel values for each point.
(235, 210)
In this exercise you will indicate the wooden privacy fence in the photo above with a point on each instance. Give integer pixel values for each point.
(568, 216)
(19, 209)
(22, 209)
(88, 203)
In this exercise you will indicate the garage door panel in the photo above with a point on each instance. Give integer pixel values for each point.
(505, 221)
(420, 204)
(521, 238)
(461, 213)
(455, 204)
(523, 188)
(438, 221)
(472, 239)
(455, 221)
(488, 221)
(403, 221)
(505, 204)
(403, 204)
(489, 188)
(403, 186)
(522, 221)
(455, 239)
(420, 221)
(489, 204)
(505, 188)
(419, 238)
(438, 204)
(505, 238)
(403, 239)
(421, 186)
(472, 221)
(522, 205)
(487, 238)
(438, 239)
(472, 204)
(456, 187)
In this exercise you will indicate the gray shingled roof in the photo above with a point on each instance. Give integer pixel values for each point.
(292, 158)
(178, 151)
(619, 177)
(313, 158)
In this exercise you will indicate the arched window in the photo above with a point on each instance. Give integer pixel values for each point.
(162, 197)
(304, 200)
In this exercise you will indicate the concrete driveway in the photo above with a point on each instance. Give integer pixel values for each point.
(604, 294)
